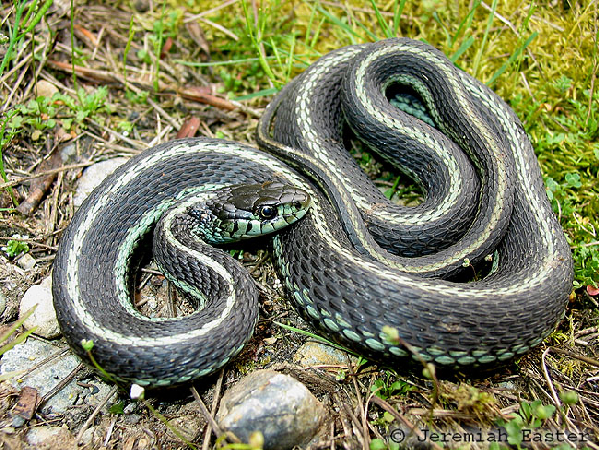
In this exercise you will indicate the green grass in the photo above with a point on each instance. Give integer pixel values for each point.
(26, 17)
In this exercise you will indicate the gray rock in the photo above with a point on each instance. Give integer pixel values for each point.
(46, 377)
(2, 303)
(316, 354)
(17, 421)
(50, 438)
(26, 261)
(93, 176)
(44, 316)
(277, 405)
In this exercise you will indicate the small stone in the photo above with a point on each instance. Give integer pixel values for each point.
(93, 176)
(26, 261)
(136, 392)
(18, 421)
(130, 408)
(50, 438)
(87, 438)
(277, 405)
(316, 354)
(45, 88)
(44, 316)
(2, 303)
(68, 153)
(132, 419)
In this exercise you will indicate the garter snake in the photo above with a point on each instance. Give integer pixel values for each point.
(372, 275)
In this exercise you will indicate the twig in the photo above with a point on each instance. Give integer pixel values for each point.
(586, 359)
(210, 11)
(215, 399)
(218, 432)
(66, 380)
(44, 173)
(549, 381)
(91, 418)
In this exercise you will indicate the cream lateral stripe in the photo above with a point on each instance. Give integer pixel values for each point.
(72, 283)
(302, 110)
(121, 269)
(440, 286)
(523, 170)
(391, 123)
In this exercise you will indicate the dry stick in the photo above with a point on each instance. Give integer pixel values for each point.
(62, 384)
(363, 409)
(125, 150)
(91, 418)
(365, 412)
(44, 173)
(220, 27)
(549, 381)
(109, 431)
(218, 432)
(354, 421)
(53, 217)
(387, 407)
(40, 186)
(210, 11)
(217, 389)
(586, 359)
(39, 68)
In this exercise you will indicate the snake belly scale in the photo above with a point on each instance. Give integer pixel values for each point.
(356, 266)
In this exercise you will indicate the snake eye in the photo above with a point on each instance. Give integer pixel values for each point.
(267, 212)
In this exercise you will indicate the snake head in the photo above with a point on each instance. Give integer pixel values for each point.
(247, 210)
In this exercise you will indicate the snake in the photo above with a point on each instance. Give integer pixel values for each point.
(383, 279)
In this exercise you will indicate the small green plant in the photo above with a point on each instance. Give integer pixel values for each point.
(117, 409)
(14, 248)
(380, 444)
(530, 416)
(44, 113)
(387, 387)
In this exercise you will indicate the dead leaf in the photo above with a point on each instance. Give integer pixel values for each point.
(27, 403)
(189, 128)
(197, 34)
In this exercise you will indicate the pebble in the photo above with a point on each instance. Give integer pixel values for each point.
(93, 176)
(49, 437)
(277, 405)
(313, 354)
(2, 303)
(45, 88)
(46, 377)
(17, 421)
(26, 261)
(44, 316)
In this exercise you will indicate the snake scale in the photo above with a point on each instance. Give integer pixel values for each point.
(377, 277)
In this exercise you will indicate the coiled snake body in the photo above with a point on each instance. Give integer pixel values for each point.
(369, 274)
